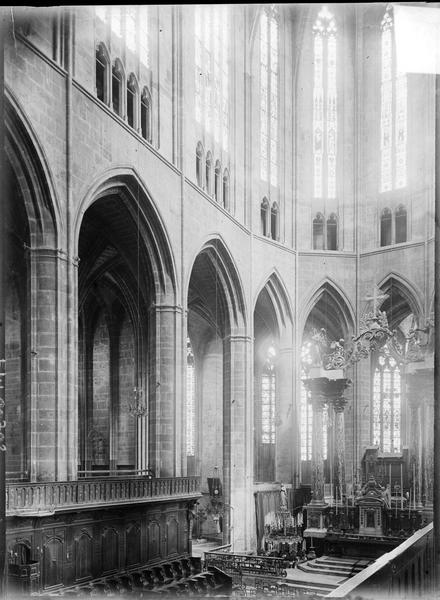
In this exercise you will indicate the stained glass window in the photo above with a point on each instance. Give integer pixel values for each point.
(269, 97)
(130, 27)
(393, 113)
(190, 400)
(401, 225)
(143, 35)
(332, 232)
(386, 403)
(318, 232)
(212, 71)
(146, 126)
(274, 222)
(325, 114)
(264, 214)
(385, 227)
(116, 20)
(101, 12)
(268, 389)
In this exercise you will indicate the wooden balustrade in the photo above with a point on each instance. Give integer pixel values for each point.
(48, 497)
(408, 571)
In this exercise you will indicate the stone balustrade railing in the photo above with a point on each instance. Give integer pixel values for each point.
(406, 571)
(48, 497)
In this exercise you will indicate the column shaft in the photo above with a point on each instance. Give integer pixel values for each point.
(165, 417)
(239, 514)
(339, 454)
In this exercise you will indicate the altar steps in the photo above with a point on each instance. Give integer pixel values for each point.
(340, 567)
(320, 589)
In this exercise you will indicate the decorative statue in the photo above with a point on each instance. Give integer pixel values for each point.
(283, 497)
(191, 516)
(387, 495)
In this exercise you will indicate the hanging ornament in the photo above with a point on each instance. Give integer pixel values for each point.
(137, 408)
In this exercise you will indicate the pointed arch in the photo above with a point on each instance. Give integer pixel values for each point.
(132, 101)
(265, 216)
(226, 190)
(333, 309)
(220, 264)
(217, 182)
(318, 232)
(208, 173)
(28, 162)
(404, 298)
(118, 87)
(125, 183)
(386, 218)
(146, 115)
(401, 224)
(102, 73)
(275, 222)
(279, 298)
(199, 164)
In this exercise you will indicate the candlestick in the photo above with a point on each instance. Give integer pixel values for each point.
(414, 485)
(401, 486)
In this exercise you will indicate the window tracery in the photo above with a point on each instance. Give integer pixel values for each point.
(325, 117)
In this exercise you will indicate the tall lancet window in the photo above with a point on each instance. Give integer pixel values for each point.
(190, 400)
(143, 35)
(325, 116)
(212, 71)
(386, 403)
(393, 117)
(269, 96)
(268, 389)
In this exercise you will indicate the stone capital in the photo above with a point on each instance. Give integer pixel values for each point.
(339, 404)
(323, 390)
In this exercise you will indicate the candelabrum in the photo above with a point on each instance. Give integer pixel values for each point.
(374, 334)
(418, 344)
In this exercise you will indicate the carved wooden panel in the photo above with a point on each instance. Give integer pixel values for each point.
(133, 546)
(109, 550)
(153, 540)
(172, 536)
(83, 556)
(53, 562)
(77, 546)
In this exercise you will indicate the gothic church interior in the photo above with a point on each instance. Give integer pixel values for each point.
(219, 302)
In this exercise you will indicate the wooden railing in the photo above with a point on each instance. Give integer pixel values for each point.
(407, 571)
(48, 497)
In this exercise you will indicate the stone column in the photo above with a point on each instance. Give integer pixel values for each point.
(335, 389)
(421, 432)
(52, 415)
(284, 416)
(317, 388)
(427, 446)
(165, 414)
(239, 513)
(415, 438)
